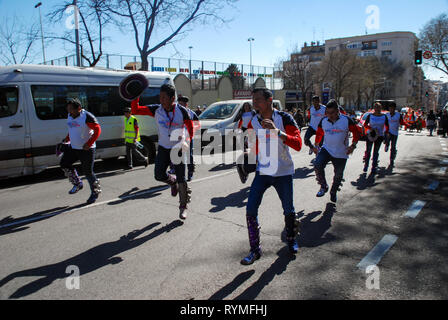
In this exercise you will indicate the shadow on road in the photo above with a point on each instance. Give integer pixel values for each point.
(234, 200)
(277, 268)
(222, 167)
(303, 173)
(102, 169)
(136, 194)
(11, 225)
(232, 286)
(88, 261)
(313, 234)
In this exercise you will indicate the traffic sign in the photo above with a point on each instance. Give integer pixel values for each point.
(427, 55)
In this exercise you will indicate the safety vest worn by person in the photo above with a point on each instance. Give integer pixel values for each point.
(129, 130)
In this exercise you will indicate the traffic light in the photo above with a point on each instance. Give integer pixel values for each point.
(418, 57)
(427, 94)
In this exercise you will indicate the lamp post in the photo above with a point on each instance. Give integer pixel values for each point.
(251, 71)
(41, 31)
(190, 47)
(78, 53)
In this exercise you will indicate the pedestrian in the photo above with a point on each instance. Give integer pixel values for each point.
(175, 129)
(377, 126)
(335, 128)
(444, 122)
(315, 113)
(183, 101)
(278, 131)
(131, 138)
(431, 122)
(395, 121)
(298, 117)
(83, 131)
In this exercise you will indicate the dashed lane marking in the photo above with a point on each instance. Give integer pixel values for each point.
(415, 209)
(378, 252)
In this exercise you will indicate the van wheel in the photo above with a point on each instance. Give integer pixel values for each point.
(149, 149)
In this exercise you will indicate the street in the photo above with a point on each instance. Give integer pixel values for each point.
(130, 244)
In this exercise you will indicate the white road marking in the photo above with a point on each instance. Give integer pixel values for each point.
(378, 252)
(415, 209)
(96, 204)
(433, 185)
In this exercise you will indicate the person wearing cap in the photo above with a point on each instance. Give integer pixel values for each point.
(183, 101)
(83, 131)
(131, 137)
(315, 114)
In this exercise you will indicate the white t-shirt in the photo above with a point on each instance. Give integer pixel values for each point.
(394, 123)
(316, 116)
(78, 130)
(336, 136)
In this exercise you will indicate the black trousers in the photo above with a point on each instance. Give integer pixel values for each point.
(162, 163)
(87, 158)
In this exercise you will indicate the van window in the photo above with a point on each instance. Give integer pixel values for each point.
(102, 101)
(9, 101)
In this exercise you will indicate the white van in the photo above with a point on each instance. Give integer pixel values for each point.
(33, 116)
(224, 115)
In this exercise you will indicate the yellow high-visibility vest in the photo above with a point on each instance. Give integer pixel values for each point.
(129, 130)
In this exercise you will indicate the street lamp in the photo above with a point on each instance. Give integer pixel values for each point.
(41, 30)
(78, 53)
(190, 47)
(251, 71)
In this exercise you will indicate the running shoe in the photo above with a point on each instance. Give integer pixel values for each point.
(322, 192)
(251, 258)
(76, 188)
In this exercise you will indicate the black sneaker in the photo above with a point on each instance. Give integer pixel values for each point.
(251, 258)
(333, 197)
(293, 246)
(366, 167)
(92, 199)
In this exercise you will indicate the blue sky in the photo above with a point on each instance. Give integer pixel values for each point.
(276, 25)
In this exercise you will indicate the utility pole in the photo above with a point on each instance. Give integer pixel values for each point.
(78, 53)
(251, 69)
(41, 31)
(190, 47)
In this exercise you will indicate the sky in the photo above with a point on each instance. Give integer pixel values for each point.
(276, 25)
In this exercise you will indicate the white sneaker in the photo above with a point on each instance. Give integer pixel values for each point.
(183, 213)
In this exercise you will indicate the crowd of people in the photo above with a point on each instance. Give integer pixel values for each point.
(330, 124)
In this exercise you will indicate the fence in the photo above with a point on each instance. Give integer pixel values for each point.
(203, 74)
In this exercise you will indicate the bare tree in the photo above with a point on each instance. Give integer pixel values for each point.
(434, 38)
(17, 41)
(342, 66)
(156, 23)
(94, 18)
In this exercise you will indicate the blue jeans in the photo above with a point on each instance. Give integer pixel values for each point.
(321, 162)
(392, 140)
(376, 149)
(284, 187)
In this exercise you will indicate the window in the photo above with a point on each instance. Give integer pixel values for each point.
(332, 48)
(369, 45)
(9, 101)
(369, 53)
(102, 101)
(218, 111)
(386, 43)
(386, 53)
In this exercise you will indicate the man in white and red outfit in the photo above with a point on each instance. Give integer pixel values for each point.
(175, 128)
(83, 131)
(275, 133)
(335, 127)
(315, 113)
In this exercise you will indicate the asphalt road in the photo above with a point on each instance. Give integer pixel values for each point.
(131, 245)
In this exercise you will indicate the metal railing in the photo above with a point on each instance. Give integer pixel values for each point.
(203, 74)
